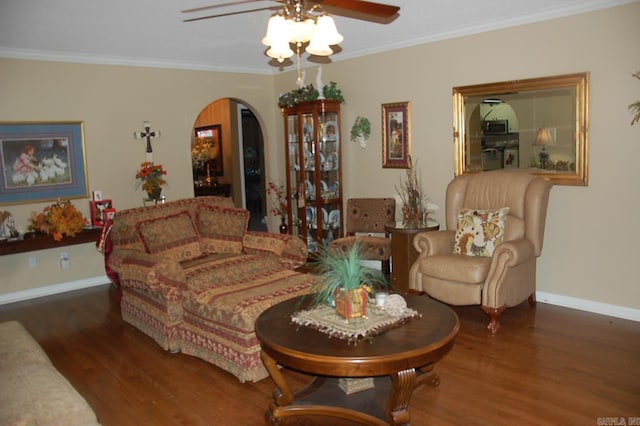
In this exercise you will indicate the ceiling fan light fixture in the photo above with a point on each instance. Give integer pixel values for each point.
(326, 28)
(319, 47)
(299, 28)
(300, 31)
(276, 29)
(280, 49)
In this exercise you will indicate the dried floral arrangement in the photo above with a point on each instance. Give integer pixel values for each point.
(414, 200)
(57, 220)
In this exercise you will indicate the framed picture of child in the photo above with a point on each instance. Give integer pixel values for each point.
(42, 162)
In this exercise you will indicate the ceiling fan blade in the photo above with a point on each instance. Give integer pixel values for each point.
(240, 12)
(216, 6)
(360, 9)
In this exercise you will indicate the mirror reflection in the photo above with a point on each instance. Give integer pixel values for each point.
(535, 124)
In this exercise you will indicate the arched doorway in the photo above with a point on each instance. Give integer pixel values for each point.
(238, 166)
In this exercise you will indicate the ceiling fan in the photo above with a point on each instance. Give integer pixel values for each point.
(356, 9)
(304, 22)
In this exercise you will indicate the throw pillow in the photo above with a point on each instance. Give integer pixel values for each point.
(479, 232)
(221, 228)
(173, 235)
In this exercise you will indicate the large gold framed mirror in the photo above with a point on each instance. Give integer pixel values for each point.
(538, 124)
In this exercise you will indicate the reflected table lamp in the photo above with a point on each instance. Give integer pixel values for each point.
(544, 139)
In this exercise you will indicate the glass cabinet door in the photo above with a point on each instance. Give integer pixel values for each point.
(314, 172)
(329, 177)
(309, 147)
(293, 167)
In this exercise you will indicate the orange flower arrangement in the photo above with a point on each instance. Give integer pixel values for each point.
(61, 218)
(151, 177)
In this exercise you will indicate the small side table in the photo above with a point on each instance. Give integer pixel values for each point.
(403, 254)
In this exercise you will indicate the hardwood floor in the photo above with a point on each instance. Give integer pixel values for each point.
(548, 365)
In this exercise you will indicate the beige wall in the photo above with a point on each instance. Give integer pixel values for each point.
(591, 246)
(113, 101)
(589, 251)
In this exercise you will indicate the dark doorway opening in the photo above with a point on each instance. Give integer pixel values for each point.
(253, 165)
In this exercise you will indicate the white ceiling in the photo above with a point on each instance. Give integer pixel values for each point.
(151, 32)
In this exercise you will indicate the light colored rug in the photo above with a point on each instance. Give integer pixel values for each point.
(325, 319)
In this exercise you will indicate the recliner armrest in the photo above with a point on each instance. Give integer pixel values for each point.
(514, 252)
(435, 242)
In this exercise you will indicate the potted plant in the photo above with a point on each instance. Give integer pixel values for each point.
(345, 281)
(309, 93)
(361, 131)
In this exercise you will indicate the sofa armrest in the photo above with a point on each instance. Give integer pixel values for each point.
(291, 249)
(432, 243)
(147, 271)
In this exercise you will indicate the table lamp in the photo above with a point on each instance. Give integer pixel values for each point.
(543, 138)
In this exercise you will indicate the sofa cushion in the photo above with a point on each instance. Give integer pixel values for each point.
(479, 232)
(173, 235)
(123, 233)
(237, 303)
(264, 244)
(221, 228)
(213, 269)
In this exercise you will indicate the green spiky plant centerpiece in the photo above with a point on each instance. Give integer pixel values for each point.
(344, 280)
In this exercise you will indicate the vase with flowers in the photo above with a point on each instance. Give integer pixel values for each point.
(278, 202)
(151, 176)
(59, 219)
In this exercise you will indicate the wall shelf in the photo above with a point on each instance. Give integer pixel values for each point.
(44, 242)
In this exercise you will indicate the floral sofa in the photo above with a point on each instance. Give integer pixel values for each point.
(194, 278)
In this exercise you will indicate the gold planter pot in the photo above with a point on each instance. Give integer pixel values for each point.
(351, 303)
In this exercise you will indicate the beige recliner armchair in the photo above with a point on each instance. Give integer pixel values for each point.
(503, 279)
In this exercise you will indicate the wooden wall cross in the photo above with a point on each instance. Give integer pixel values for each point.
(148, 134)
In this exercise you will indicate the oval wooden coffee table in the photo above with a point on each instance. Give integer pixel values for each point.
(399, 359)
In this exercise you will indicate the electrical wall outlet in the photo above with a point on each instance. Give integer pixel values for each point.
(64, 260)
(32, 262)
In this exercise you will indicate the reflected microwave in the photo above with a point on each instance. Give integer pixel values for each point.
(495, 127)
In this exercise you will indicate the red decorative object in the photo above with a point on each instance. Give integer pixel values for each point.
(99, 211)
